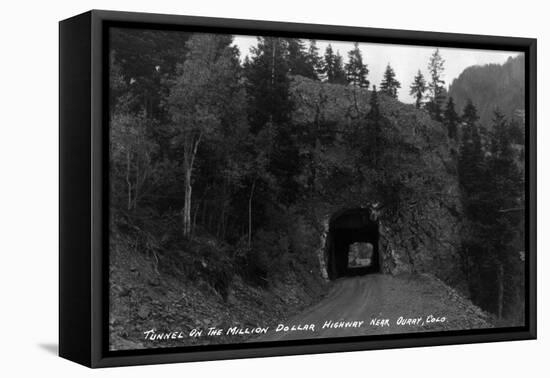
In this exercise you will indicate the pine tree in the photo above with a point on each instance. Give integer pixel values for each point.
(374, 111)
(356, 71)
(491, 188)
(389, 84)
(270, 106)
(339, 72)
(504, 210)
(298, 59)
(436, 87)
(374, 124)
(333, 69)
(451, 119)
(502, 161)
(469, 114)
(267, 83)
(471, 178)
(470, 163)
(418, 88)
(314, 60)
(328, 66)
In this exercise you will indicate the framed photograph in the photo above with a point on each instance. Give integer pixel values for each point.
(234, 188)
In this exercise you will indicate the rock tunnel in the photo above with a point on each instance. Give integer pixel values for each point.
(352, 244)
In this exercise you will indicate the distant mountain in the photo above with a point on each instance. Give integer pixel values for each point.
(491, 86)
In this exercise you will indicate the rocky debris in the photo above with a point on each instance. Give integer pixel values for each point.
(141, 300)
(470, 312)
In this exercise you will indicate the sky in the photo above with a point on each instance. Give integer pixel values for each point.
(405, 60)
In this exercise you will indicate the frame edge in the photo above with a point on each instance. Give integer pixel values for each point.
(98, 301)
(74, 191)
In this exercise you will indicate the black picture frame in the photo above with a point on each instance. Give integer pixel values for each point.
(83, 166)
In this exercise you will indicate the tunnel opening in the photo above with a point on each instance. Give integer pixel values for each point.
(352, 244)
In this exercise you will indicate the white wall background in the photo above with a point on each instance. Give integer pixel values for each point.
(29, 189)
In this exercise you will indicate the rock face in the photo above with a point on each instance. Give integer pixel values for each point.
(421, 234)
(424, 240)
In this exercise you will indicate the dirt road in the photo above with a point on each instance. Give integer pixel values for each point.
(382, 304)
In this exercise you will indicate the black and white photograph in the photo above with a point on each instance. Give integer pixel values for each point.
(264, 188)
(274, 189)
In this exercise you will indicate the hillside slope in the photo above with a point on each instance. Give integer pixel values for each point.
(492, 86)
(169, 292)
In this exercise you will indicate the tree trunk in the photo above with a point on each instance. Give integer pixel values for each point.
(189, 159)
(195, 218)
(250, 213)
(219, 229)
(128, 182)
(500, 278)
(224, 226)
(136, 185)
(273, 63)
(187, 204)
(222, 221)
